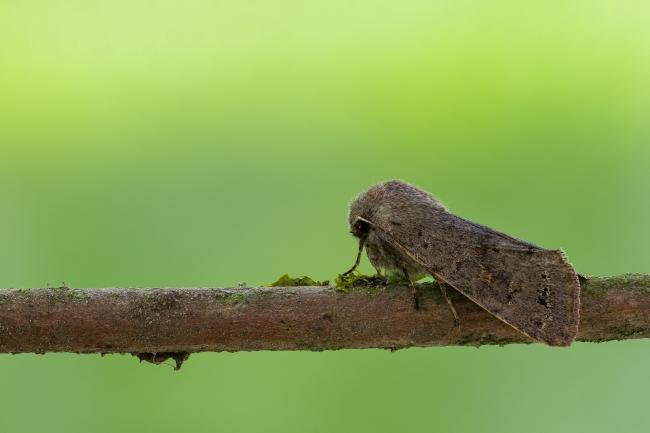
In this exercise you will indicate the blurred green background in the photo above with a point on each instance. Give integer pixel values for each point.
(206, 143)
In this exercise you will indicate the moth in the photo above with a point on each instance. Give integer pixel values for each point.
(406, 230)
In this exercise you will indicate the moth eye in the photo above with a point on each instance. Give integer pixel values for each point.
(360, 228)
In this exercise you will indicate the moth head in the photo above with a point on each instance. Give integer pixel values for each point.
(363, 209)
(360, 227)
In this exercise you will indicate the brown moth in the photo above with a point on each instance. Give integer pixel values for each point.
(404, 229)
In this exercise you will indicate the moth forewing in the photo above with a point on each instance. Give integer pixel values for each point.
(527, 287)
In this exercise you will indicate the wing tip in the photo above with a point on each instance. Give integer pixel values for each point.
(567, 330)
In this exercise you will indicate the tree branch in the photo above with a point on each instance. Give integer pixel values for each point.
(164, 321)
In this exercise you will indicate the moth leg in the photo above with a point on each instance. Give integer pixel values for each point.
(362, 242)
(443, 289)
(414, 292)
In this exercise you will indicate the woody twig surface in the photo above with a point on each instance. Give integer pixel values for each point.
(178, 320)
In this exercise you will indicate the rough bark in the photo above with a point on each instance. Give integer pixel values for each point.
(174, 321)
